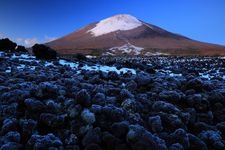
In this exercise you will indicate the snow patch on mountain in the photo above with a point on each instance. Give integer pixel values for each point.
(155, 54)
(121, 22)
(127, 49)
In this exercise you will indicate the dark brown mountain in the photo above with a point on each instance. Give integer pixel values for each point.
(124, 34)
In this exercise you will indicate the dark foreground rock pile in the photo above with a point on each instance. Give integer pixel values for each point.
(54, 107)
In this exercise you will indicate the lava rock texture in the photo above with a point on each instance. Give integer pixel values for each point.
(56, 107)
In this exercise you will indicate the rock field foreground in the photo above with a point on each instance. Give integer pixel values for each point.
(154, 103)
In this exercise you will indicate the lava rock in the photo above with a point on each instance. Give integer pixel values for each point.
(99, 99)
(180, 136)
(120, 129)
(52, 120)
(88, 116)
(93, 147)
(27, 128)
(212, 139)
(11, 146)
(165, 107)
(155, 123)
(83, 98)
(92, 136)
(196, 143)
(131, 105)
(44, 142)
(34, 105)
(131, 85)
(46, 90)
(176, 146)
(9, 124)
(109, 141)
(140, 138)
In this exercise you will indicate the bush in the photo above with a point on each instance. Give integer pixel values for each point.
(80, 56)
(20, 48)
(7, 45)
(43, 52)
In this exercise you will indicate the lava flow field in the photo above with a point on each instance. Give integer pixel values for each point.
(112, 103)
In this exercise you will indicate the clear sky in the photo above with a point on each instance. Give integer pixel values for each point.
(30, 21)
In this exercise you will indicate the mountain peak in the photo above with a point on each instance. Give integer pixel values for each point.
(121, 22)
(124, 34)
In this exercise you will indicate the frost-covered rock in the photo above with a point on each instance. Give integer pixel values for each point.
(165, 107)
(131, 106)
(88, 116)
(44, 141)
(212, 138)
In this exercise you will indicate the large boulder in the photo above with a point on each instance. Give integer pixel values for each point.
(43, 52)
(7, 45)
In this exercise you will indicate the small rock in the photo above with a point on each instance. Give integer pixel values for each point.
(44, 141)
(92, 136)
(165, 107)
(120, 129)
(88, 116)
(83, 98)
(155, 123)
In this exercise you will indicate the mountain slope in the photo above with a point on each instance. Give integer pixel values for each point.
(125, 34)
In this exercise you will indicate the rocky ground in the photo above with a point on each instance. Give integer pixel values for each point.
(116, 103)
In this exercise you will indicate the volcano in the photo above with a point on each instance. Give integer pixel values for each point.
(126, 35)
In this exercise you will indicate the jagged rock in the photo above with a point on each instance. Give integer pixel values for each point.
(71, 140)
(212, 138)
(34, 105)
(11, 146)
(120, 129)
(27, 127)
(99, 99)
(93, 147)
(140, 138)
(92, 136)
(155, 123)
(165, 107)
(109, 141)
(113, 113)
(52, 120)
(9, 124)
(131, 85)
(131, 105)
(46, 90)
(196, 143)
(176, 146)
(181, 137)
(83, 98)
(88, 116)
(44, 141)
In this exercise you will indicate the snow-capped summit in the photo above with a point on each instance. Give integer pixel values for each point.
(126, 35)
(121, 22)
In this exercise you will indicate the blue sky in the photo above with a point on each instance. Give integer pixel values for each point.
(30, 21)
